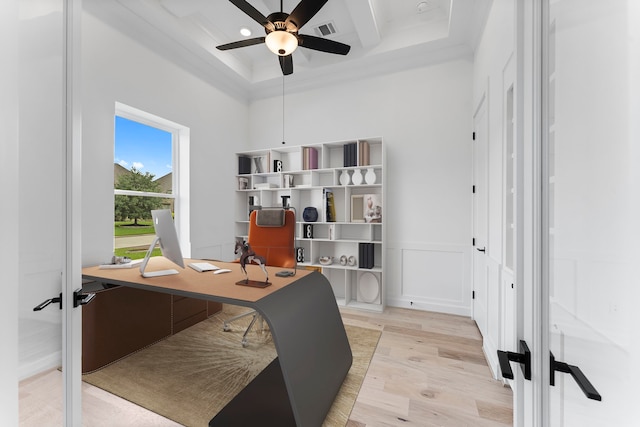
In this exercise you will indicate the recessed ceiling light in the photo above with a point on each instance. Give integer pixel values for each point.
(245, 31)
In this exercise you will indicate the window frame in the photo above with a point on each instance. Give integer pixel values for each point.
(180, 141)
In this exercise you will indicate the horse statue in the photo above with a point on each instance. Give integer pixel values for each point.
(247, 255)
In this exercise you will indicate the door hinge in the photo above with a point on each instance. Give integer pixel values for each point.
(473, 136)
(473, 294)
(473, 241)
(473, 189)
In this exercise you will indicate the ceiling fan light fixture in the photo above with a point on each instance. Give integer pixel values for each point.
(281, 42)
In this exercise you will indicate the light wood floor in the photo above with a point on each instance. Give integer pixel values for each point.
(428, 370)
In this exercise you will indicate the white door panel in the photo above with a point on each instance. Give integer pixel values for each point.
(589, 199)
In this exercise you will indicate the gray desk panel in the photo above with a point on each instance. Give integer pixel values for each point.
(312, 345)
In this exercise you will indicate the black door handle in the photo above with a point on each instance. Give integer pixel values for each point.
(523, 358)
(481, 250)
(585, 385)
(78, 299)
(45, 303)
(82, 299)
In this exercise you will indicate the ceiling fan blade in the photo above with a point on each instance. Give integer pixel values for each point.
(304, 11)
(253, 13)
(323, 45)
(286, 63)
(241, 43)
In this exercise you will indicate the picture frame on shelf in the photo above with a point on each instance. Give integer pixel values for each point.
(357, 208)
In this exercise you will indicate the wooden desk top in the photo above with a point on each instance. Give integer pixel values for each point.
(189, 282)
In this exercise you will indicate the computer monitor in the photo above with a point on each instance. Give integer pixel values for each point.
(169, 244)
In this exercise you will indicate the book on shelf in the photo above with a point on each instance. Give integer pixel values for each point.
(329, 203)
(345, 155)
(354, 154)
(309, 158)
(349, 153)
(366, 255)
(363, 155)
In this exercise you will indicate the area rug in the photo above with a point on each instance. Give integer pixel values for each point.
(190, 376)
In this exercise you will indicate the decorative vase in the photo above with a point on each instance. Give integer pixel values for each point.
(370, 176)
(356, 178)
(345, 179)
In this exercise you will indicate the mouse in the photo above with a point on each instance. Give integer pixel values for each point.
(222, 270)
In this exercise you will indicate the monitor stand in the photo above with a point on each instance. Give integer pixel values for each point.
(146, 260)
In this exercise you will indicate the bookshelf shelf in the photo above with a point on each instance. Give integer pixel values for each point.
(305, 175)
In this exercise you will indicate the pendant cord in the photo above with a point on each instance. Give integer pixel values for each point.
(283, 109)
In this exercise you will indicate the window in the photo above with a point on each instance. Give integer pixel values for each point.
(148, 153)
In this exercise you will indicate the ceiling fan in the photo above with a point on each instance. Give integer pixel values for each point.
(282, 32)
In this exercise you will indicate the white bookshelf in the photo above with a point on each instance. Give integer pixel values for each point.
(353, 285)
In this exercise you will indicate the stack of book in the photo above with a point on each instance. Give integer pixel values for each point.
(365, 255)
(350, 154)
(309, 158)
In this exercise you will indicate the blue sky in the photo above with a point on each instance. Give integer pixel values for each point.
(146, 148)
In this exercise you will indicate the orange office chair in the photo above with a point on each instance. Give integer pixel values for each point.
(272, 236)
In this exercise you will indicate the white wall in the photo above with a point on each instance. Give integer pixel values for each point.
(9, 37)
(424, 116)
(117, 68)
(493, 73)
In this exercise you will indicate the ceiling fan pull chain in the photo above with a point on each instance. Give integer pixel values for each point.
(283, 140)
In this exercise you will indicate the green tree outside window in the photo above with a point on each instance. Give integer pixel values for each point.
(136, 207)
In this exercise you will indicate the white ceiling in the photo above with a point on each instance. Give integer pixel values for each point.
(384, 35)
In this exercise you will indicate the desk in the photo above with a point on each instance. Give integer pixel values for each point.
(314, 355)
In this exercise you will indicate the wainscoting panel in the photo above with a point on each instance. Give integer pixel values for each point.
(430, 277)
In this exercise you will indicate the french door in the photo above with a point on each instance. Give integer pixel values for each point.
(48, 226)
(590, 203)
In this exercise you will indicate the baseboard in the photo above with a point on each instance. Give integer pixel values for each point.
(491, 356)
(429, 306)
(31, 368)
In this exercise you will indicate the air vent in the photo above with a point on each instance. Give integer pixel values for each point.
(325, 29)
